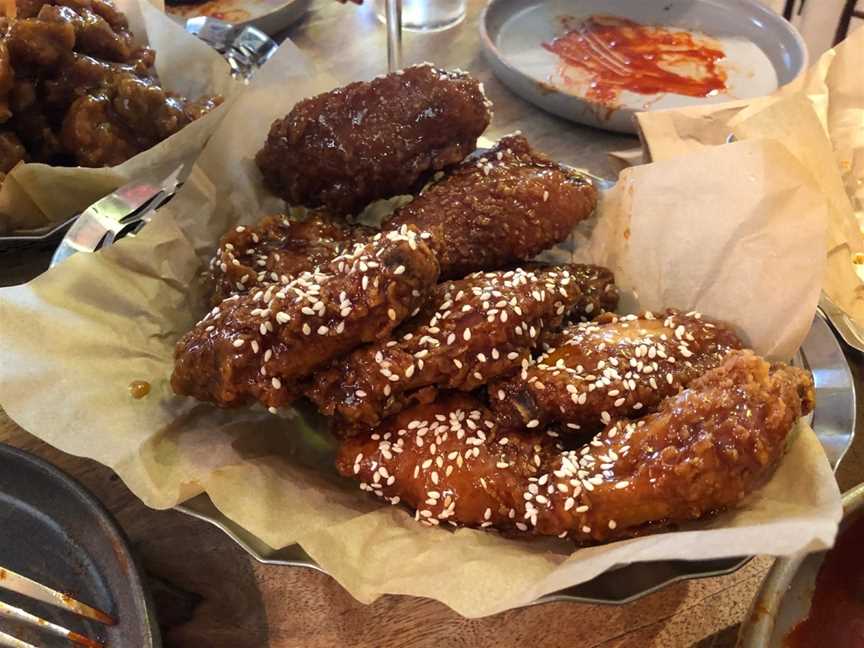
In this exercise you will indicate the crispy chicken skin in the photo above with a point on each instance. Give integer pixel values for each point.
(470, 331)
(7, 82)
(704, 450)
(261, 346)
(609, 368)
(93, 34)
(500, 209)
(374, 139)
(278, 247)
(599, 292)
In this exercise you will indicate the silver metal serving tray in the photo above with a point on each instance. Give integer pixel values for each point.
(833, 422)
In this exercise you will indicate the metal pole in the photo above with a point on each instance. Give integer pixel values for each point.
(393, 13)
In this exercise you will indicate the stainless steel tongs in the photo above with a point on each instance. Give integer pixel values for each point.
(118, 214)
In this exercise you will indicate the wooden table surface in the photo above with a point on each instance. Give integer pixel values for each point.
(209, 593)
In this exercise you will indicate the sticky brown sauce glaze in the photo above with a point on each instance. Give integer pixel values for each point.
(836, 616)
(615, 54)
(139, 389)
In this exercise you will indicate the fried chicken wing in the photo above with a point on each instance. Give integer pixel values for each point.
(80, 75)
(75, 89)
(613, 367)
(261, 346)
(374, 139)
(39, 43)
(704, 450)
(7, 82)
(277, 247)
(121, 119)
(93, 130)
(497, 210)
(470, 331)
(93, 34)
(33, 129)
(599, 292)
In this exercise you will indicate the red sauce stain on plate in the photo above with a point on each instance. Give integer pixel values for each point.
(215, 9)
(836, 615)
(608, 55)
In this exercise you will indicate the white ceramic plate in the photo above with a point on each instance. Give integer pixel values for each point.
(762, 50)
(270, 16)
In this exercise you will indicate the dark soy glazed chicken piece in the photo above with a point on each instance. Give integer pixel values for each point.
(614, 366)
(470, 331)
(498, 210)
(263, 345)
(703, 450)
(373, 139)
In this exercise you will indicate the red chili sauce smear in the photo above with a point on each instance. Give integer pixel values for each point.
(836, 615)
(615, 54)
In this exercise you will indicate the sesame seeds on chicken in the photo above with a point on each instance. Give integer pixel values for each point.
(471, 331)
(704, 449)
(611, 367)
(262, 345)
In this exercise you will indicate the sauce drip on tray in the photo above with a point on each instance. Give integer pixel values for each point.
(610, 54)
(836, 615)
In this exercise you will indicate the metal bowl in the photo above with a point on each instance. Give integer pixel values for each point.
(784, 599)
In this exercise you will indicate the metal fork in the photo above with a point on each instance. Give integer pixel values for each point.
(605, 55)
(27, 587)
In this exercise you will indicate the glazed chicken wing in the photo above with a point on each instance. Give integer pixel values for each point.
(36, 43)
(704, 450)
(80, 75)
(277, 247)
(93, 34)
(599, 292)
(262, 345)
(348, 147)
(500, 209)
(613, 367)
(7, 81)
(470, 332)
(75, 89)
(125, 117)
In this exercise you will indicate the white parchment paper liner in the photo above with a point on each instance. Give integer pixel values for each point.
(708, 230)
(820, 120)
(34, 196)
